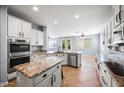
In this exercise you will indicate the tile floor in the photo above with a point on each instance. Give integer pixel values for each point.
(85, 76)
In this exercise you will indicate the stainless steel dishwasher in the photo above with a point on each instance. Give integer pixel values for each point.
(74, 59)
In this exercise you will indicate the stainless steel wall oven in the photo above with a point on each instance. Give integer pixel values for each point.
(18, 53)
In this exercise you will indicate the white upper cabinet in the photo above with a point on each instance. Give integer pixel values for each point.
(33, 37)
(14, 27)
(26, 29)
(40, 38)
(18, 28)
(37, 37)
(117, 17)
(122, 13)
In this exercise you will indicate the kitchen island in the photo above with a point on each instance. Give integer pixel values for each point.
(44, 73)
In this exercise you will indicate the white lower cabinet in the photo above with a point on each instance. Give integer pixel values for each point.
(105, 77)
(105, 82)
(46, 82)
(114, 84)
(57, 78)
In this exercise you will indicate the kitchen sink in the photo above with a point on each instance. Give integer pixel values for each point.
(116, 68)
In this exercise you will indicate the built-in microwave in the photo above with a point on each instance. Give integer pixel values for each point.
(18, 47)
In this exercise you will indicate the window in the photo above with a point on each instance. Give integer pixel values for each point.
(84, 43)
(66, 45)
(52, 43)
(87, 43)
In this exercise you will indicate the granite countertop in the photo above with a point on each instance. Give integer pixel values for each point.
(53, 52)
(45, 53)
(33, 69)
(119, 80)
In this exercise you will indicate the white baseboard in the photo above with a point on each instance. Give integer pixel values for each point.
(12, 75)
(4, 84)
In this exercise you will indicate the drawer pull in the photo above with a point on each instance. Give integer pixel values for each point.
(105, 71)
(44, 75)
(104, 80)
(57, 66)
(54, 78)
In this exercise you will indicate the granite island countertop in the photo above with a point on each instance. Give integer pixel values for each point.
(46, 53)
(33, 69)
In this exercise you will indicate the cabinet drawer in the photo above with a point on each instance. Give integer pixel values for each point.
(106, 72)
(105, 82)
(46, 74)
(107, 75)
(56, 67)
(114, 83)
(57, 78)
(46, 82)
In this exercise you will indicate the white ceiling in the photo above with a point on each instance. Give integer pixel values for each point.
(91, 18)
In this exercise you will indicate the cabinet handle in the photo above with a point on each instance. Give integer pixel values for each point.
(118, 17)
(122, 35)
(105, 71)
(51, 81)
(57, 66)
(22, 34)
(54, 78)
(104, 80)
(44, 75)
(19, 33)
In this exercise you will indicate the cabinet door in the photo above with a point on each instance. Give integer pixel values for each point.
(47, 82)
(114, 84)
(122, 13)
(57, 78)
(40, 37)
(116, 12)
(26, 29)
(14, 27)
(33, 37)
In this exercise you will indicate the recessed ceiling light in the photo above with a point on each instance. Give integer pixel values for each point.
(76, 16)
(55, 22)
(35, 8)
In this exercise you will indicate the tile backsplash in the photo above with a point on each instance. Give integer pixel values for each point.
(36, 48)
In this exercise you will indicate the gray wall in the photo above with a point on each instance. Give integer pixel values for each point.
(95, 47)
(3, 44)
